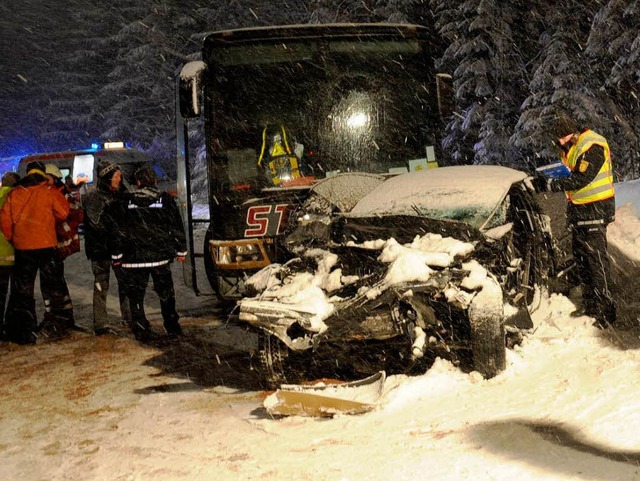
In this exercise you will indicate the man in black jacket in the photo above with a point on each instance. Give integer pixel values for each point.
(98, 232)
(149, 235)
(590, 208)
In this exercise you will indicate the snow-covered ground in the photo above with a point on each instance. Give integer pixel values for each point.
(86, 408)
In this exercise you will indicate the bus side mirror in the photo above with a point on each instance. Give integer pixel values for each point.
(190, 85)
(444, 90)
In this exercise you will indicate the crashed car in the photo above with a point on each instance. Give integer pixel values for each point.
(388, 273)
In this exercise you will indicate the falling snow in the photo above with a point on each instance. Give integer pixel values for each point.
(86, 408)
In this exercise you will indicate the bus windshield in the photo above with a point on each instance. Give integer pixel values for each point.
(340, 104)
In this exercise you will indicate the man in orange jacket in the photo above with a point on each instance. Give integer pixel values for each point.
(28, 220)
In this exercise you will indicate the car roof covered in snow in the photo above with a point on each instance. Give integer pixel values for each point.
(456, 188)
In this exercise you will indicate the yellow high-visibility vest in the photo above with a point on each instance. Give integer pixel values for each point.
(601, 187)
(283, 164)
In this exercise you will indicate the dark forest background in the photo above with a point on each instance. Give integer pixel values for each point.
(74, 72)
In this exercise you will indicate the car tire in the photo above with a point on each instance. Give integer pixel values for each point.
(279, 364)
(532, 277)
(486, 318)
(526, 283)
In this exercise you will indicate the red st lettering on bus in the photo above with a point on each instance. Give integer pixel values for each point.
(264, 220)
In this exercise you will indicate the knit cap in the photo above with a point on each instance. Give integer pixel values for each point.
(106, 169)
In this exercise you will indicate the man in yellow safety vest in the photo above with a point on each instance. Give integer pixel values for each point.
(590, 208)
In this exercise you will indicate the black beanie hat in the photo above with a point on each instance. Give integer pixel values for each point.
(562, 125)
(10, 179)
(106, 169)
(37, 165)
(146, 176)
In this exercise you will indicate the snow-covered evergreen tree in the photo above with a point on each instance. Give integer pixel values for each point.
(140, 95)
(34, 83)
(560, 83)
(581, 57)
(75, 115)
(388, 11)
(488, 79)
(613, 53)
(251, 13)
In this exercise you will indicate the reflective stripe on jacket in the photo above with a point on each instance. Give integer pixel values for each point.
(601, 187)
(67, 230)
(149, 231)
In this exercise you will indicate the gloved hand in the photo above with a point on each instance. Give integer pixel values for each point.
(538, 183)
(116, 260)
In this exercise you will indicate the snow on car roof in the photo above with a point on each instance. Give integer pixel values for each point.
(479, 187)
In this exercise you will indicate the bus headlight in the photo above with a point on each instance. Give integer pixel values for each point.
(240, 254)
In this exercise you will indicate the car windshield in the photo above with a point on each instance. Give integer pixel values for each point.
(361, 104)
(473, 195)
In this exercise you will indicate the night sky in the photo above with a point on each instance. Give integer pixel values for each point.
(32, 35)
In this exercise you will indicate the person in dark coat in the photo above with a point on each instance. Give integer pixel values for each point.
(98, 230)
(28, 219)
(150, 234)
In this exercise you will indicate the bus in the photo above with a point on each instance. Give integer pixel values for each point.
(81, 165)
(284, 107)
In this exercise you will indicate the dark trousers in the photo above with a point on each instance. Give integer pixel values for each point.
(594, 270)
(136, 280)
(102, 272)
(61, 306)
(5, 279)
(21, 318)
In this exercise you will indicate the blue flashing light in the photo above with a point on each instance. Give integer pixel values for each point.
(17, 148)
(95, 146)
(158, 170)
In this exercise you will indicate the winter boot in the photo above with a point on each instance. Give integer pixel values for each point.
(172, 326)
(142, 331)
(20, 326)
(54, 327)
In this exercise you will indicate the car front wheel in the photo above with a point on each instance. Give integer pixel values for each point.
(486, 317)
(280, 364)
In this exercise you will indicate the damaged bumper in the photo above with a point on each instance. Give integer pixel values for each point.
(294, 327)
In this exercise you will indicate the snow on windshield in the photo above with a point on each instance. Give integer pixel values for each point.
(465, 193)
